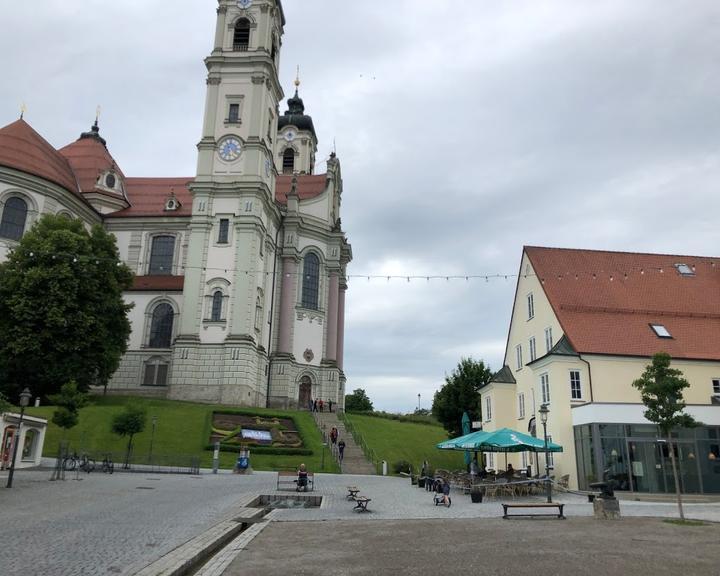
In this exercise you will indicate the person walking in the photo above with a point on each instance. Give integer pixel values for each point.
(341, 450)
(320, 404)
(314, 407)
(329, 405)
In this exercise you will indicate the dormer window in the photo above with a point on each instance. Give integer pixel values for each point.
(288, 161)
(660, 331)
(172, 203)
(241, 36)
(110, 180)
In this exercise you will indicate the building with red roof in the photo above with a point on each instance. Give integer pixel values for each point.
(585, 324)
(241, 268)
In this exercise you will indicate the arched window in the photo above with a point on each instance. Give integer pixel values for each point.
(217, 301)
(311, 281)
(13, 218)
(289, 161)
(161, 255)
(161, 326)
(241, 37)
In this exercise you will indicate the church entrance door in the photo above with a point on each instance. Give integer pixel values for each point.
(305, 394)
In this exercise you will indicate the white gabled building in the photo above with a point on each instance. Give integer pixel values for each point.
(241, 269)
(584, 326)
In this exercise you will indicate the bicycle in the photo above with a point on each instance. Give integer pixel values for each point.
(70, 462)
(107, 465)
(87, 464)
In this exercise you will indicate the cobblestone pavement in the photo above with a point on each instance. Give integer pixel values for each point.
(117, 524)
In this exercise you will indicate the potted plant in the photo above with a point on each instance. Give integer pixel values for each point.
(476, 494)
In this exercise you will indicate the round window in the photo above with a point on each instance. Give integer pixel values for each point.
(110, 180)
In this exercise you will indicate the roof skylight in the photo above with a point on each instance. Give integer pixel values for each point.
(660, 331)
(684, 270)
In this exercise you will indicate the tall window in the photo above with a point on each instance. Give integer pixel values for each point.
(311, 281)
(550, 457)
(545, 388)
(491, 460)
(161, 326)
(217, 302)
(521, 405)
(575, 389)
(161, 255)
(241, 37)
(223, 231)
(288, 161)
(533, 353)
(234, 114)
(156, 372)
(531, 306)
(548, 339)
(518, 356)
(488, 409)
(13, 218)
(716, 385)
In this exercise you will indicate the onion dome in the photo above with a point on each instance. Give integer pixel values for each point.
(295, 114)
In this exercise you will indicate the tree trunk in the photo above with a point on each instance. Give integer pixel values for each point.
(678, 492)
(127, 454)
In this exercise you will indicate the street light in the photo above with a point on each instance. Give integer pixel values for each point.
(24, 401)
(543, 418)
(152, 437)
(418, 401)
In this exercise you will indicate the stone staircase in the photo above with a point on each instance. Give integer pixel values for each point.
(354, 461)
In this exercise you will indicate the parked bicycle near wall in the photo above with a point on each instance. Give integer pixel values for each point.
(108, 467)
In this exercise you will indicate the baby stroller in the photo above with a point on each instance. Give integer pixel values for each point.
(441, 490)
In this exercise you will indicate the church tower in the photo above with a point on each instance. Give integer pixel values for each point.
(223, 338)
(297, 143)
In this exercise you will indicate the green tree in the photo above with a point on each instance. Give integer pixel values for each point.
(62, 316)
(128, 423)
(461, 393)
(661, 391)
(69, 401)
(358, 401)
(5, 406)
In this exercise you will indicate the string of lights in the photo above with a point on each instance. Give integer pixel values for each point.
(618, 274)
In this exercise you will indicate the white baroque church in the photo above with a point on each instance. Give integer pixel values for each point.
(240, 270)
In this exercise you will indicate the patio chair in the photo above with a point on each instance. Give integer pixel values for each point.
(495, 487)
(564, 482)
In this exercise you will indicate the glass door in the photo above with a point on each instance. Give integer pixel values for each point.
(646, 466)
(686, 462)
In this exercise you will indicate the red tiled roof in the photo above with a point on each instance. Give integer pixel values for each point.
(168, 283)
(308, 186)
(603, 316)
(147, 197)
(24, 149)
(89, 158)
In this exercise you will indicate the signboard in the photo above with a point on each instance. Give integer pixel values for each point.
(476, 425)
(258, 435)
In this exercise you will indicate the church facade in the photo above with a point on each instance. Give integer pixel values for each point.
(239, 294)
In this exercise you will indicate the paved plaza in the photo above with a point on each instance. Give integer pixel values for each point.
(118, 524)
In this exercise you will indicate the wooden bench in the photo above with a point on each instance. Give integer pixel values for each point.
(352, 492)
(534, 505)
(361, 503)
(287, 477)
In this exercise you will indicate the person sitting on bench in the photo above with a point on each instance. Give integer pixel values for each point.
(302, 479)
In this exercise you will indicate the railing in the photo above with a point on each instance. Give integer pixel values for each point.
(360, 441)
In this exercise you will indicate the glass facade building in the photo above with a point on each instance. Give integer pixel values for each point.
(638, 458)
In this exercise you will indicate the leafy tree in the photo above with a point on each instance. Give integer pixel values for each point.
(5, 406)
(461, 393)
(62, 316)
(358, 401)
(661, 391)
(128, 423)
(69, 401)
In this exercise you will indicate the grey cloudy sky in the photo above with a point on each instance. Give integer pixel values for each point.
(466, 129)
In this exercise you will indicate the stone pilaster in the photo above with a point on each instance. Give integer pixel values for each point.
(332, 318)
(341, 325)
(287, 304)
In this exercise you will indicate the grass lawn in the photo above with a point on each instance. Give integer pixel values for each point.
(393, 440)
(183, 428)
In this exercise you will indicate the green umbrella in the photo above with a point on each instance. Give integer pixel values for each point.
(466, 428)
(452, 444)
(503, 440)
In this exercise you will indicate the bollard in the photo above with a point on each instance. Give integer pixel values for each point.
(384, 467)
(216, 457)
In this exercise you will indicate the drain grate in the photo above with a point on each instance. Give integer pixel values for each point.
(144, 488)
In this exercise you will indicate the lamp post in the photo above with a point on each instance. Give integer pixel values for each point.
(152, 437)
(24, 401)
(418, 401)
(543, 418)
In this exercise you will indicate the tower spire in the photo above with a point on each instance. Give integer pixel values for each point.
(297, 80)
(23, 109)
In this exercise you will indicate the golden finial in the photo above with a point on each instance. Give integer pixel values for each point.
(23, 109)
(297, 78)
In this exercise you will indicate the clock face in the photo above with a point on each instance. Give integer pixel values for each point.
(244, 4)
(290, 135)
(229, 149)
